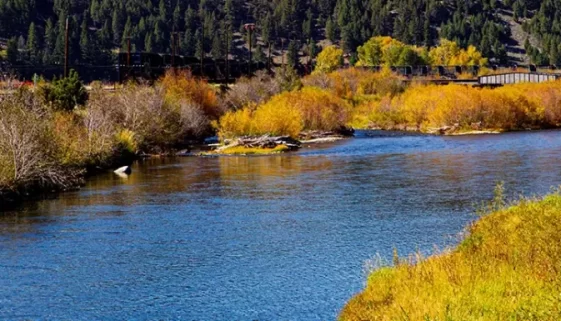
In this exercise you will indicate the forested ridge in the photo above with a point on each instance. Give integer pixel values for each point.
(32, 31)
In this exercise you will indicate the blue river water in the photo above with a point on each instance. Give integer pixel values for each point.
(286, 237)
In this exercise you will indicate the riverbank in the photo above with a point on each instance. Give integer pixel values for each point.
(58, 130)
(55, 135)
(507, 268)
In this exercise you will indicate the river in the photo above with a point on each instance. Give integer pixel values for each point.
(285, 237)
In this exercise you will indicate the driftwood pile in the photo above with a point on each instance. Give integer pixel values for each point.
(268, 142)
(320, 134)
(265, 141)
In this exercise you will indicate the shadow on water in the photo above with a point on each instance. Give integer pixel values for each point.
(255, 238)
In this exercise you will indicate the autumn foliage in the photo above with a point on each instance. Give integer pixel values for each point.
(182, 87)
(510, 107)
(329, 59)
(390, 52)
(288, 113)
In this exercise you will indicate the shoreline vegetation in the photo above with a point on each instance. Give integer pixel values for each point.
(508, 267)
(56, 133)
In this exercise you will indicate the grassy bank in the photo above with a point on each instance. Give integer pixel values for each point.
(53, 135)
(507, 268)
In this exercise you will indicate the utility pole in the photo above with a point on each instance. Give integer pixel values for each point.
(128, 52)
(249, 27)
(282, 53)
(173, 49)
(202, 48)
(228, 53)
(66, 49)
(269, 59)
(128, 56)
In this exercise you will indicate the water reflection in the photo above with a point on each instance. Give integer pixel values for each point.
(268, 238)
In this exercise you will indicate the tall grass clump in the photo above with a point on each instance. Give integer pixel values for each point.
(507, 268)
(288, 113)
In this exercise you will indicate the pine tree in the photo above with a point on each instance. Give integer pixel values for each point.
(177, 17)
(105, 35)
(266, 29)
(259, 56)
(330, 30)
(307, 25)
(553, 54)
(95, 11)
(12, 52)
(188, 44)
(127, 32)
(148, 43)
(50, 41)
(85, 42)
(217, 51)
(190, 17)
(162, 11)
(312, 50)
(60, 41)
(32, 44)
(229, 12)
(117, 27)
(292, 54)
(199, 50)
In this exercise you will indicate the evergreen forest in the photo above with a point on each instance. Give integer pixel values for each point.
(509, 31)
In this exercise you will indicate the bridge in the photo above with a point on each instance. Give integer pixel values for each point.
(493, 80)
(468, 75)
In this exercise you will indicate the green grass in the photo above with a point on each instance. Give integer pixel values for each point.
(241, 150)
(507, 268)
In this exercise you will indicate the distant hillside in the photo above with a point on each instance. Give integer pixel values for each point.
(506, 31)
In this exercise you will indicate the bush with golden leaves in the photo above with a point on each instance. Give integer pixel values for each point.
(511, 107)
(288, 113)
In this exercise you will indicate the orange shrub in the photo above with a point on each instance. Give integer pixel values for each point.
(182, 87)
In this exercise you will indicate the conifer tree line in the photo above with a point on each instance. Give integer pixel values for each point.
(32, 31)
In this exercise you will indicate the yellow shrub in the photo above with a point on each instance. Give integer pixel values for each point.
(377, 114)
(288, 113)
(506, 108)
(278, 117)
(69, 137)
(236, 123)
(126, 140)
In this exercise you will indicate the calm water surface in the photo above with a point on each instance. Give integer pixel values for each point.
(257, 238)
